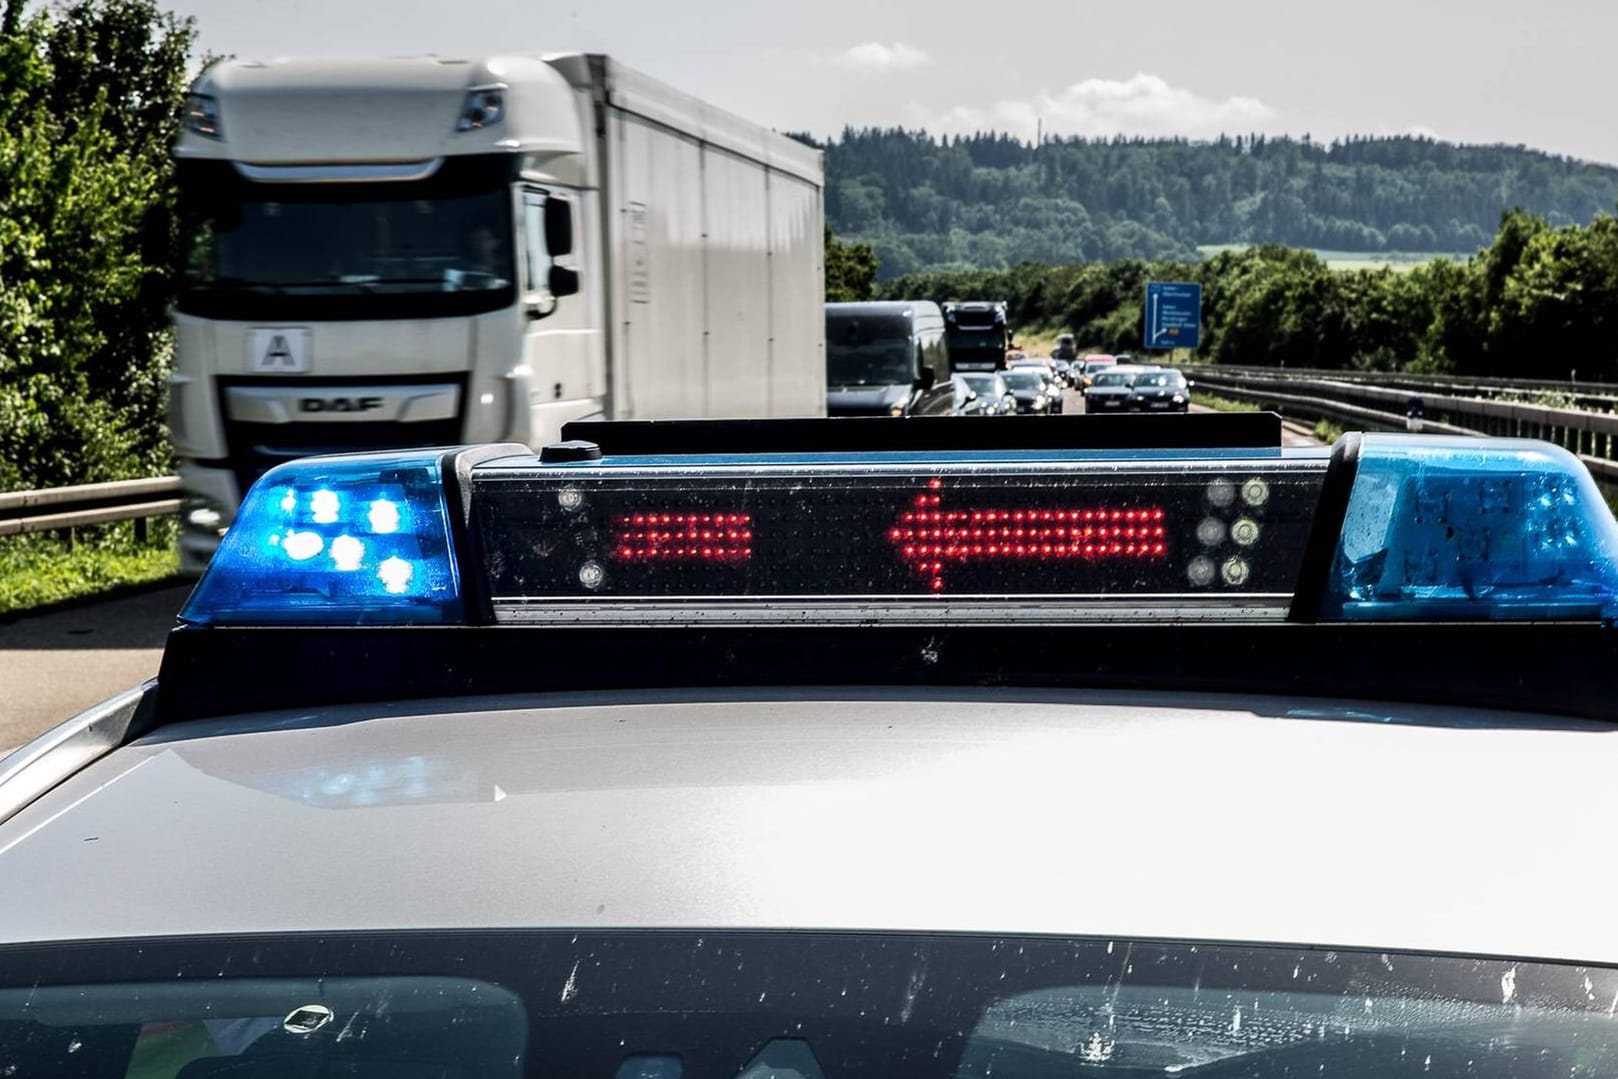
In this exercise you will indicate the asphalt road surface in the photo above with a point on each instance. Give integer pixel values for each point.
(55, 665)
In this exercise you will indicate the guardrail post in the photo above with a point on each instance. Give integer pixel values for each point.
(140, 530)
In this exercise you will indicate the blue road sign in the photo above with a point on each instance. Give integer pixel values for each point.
(1173, 314)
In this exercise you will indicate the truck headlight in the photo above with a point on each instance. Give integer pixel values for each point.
(202, 116)
(485, 106)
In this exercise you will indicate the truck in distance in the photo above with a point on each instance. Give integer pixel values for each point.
(425, 251)
(977, 334)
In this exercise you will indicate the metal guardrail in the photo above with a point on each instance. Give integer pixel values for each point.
(59, 508)
(1600, 395)
(1593, 436)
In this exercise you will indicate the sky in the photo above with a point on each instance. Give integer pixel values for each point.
(1536, 73)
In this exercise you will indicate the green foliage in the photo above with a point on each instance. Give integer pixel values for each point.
(991, 201)
(43, 569)
(1328, 432)
(850, 271)
(89, 99)
(1538, 303)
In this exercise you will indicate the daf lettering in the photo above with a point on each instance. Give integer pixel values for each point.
(339, 404)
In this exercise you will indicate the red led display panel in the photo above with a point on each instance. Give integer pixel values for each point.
(971, 532)
(682, 537)
(931, 536)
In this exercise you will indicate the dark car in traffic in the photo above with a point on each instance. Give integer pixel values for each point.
(1162, 390)
(991, 388)
(1110, 390)
(957, 399)
(1034, 391)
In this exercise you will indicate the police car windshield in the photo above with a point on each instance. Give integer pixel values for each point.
(666, 1005)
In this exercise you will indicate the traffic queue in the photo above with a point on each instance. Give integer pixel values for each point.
(903, 358)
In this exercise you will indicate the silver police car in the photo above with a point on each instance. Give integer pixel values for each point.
(678, 750)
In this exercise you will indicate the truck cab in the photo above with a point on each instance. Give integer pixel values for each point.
(977, 335)
(387, 253)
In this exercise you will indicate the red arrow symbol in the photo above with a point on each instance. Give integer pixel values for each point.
(930, 537)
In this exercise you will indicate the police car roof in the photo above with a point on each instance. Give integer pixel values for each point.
(1145, 815)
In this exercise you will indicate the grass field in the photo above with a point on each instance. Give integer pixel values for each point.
(36, 571)
(1359, 260)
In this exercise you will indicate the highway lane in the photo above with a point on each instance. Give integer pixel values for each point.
(54, 665)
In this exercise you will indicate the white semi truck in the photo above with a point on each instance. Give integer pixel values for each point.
(428, 251)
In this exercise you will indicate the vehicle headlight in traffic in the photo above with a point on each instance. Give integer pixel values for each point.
(203, 515)
(896, 410)
(202, 116)
(1179, 398)
(1040, 402)
(485, 106)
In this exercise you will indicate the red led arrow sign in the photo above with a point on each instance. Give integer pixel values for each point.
(930, 537)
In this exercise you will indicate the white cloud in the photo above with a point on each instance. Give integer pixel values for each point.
(875, 56)
(1142, 105)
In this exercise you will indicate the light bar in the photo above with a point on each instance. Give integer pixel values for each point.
(750, 542)
(1432, 529)
(1453, 529)
(336, 541)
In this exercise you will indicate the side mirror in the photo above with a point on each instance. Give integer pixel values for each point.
(563, 282)
(926, 378)
(558, 226)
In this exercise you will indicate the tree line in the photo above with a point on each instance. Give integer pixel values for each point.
(1539, 302)
(90, 99)
(993, 201)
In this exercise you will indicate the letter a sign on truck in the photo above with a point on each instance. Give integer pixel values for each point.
(278, 351)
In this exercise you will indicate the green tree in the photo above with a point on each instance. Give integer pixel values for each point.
(850, 271)
(86, 237)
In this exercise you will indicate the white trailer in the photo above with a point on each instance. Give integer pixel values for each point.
(426, 251)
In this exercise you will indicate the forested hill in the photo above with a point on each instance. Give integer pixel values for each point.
(992, 201)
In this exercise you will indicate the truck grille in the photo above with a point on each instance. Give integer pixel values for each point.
(255, 448)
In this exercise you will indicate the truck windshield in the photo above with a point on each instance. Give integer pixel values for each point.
(290, 250)
(883, 362)
(668, 1005)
